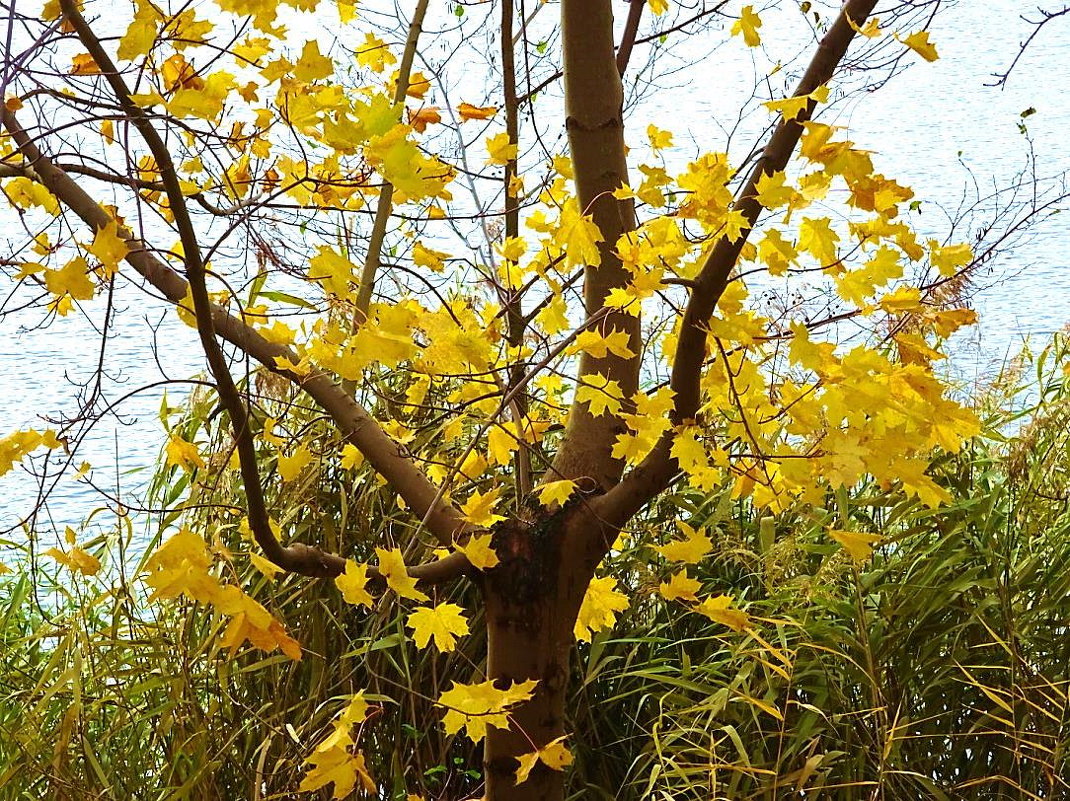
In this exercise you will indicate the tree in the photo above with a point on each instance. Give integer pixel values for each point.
(561, 389)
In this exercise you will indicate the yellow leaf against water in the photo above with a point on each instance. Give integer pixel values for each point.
(392, 566)
(920, 44)
(817, 238)
(467, 111)
(76, 559)
(858, 545)
(83, 64)
(183, 454)
(290, 467)
(476, 706)
(949, 259)
(479, 508)
(747, 25)
(601, 395)
(903, 299)
(659, 139)
(791, 107)
(680, 587)
(444, 623)
(312, 65)
(478, 551)
(554, 755)
(599, 609)
(556, 492)
(501, 149)
(4, 569)
(72, 279)
(690, 549)
(719, 610)
(871, 30)
(141, 33)
(353, 584)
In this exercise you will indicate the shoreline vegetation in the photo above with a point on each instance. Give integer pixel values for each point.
(936, 667)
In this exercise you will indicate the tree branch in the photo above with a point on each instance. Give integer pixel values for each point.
(360, 429)
(656, 471)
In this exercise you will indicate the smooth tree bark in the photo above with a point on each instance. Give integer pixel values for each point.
(548, 558)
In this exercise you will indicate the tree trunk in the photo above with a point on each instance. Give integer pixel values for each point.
(532, 600)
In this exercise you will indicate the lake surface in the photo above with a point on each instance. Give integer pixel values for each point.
(937, 128)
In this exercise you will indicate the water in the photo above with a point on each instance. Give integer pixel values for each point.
(936, 127)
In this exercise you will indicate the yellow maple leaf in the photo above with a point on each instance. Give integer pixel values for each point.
(719, 609)
(353, 584)
(478, 551)
(474, 707)
(747, 25)
(680, 587)
(501, 442)
(443, 623)
(556, 492)
(599, 609)
(83, 64)
(72, 279)
(109, 247)
(374, 54)
(920, 44)
(290, 467)
(337, 766)
(689, 550)
(392, 566)
(479, 508)
(600, 345)
(332, 270)
(659, 139)
(312, 65)
(352, 458)
(467, 111)
(183, 454)
(78, 560)
(265, 565)
(554, 755)
(601, 394)
(501, 149)
(858, 545)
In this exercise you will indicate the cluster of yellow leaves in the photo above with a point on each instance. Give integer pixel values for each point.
(553, 755)
(17, 446)
(690, 550)
(75, 558)
(182, 566)
(474, 707)
(335, 760)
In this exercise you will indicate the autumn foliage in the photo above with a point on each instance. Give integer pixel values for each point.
(308, 206)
